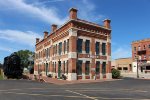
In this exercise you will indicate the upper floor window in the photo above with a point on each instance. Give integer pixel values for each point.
(60, 48)
(144, 47)
(97, 48)
(79, 45)
(87, 46)
(64, 46)
(144, 56)
(56, 49)
(47, 52)
(139, 48)
(103, 48)
(134, 48)
(149, 46)
(67, 45)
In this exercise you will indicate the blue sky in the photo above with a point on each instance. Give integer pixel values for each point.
(21, 21)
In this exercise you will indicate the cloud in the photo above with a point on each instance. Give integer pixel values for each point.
(51, 1)
(5, 49)
(121, 52)
(48, 15)
(88, 11)
(27, 38)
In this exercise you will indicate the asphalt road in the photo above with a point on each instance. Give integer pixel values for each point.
(126, 89)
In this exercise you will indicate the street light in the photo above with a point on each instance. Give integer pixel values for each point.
(137, 68)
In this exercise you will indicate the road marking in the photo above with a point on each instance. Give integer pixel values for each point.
(93, 98)
(43, 95)
(81, 96)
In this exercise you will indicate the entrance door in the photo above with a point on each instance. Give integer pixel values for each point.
(46, 69)
(104, 69)
(59, 69)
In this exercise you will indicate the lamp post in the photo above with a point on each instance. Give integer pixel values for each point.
(137, 68)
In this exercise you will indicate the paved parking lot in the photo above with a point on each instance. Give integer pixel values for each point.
(126, 89)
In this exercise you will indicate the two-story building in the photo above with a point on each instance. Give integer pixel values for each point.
(141, 55)
(78, 49)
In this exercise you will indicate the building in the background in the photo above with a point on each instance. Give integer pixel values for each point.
(78, 49)
(124, 65)
(141, 54)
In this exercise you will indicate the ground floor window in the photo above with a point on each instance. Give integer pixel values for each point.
(87, 67)
(119, 68)
(64, 67)
(67, 67)
(55, 68)
(97, 67)
(104, 68)
(38, 69)
(79, 67)
(125, 68)
(147, 67)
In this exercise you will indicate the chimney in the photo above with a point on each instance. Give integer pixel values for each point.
(107, 23)
(54, 27)
(45, 34)
(37, 40)
(73, 13)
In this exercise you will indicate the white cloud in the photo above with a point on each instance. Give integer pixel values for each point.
(27, 38)
(88, 11)
(48, 15)
(5, 49)
(121, 52)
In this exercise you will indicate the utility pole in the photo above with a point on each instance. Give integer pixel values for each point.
(137, 69)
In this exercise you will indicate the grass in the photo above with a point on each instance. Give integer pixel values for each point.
(1, 77)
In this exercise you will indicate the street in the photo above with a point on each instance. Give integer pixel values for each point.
(124, 89)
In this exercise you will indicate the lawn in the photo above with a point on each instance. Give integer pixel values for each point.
(1, 77)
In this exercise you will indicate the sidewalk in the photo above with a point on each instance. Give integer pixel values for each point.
(63, 82)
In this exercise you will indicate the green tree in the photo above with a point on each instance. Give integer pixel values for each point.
(26, 56)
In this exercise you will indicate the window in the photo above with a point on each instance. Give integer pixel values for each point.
(45, 52)
(139, 48)
(97, 68)
(67, 67)
(103, 48)
(125, 68)
(97, 48)
(55, 67)
(79, 67)
(49, 51)
(87, 46)
(39, 54)
(67, 45)
(144, 47)
(144, 56)
(64, 46)
(87, 67)
(149, 46)
(134, 48)
(56, 49)
(53, 50)
(119, 68)
(104, 68)
(79, 45)
(60, 48)
(64, 66)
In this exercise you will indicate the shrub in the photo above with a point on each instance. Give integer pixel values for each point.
(115, 73)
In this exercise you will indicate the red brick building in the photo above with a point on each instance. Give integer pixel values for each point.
(78, 49)
(141, 51)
